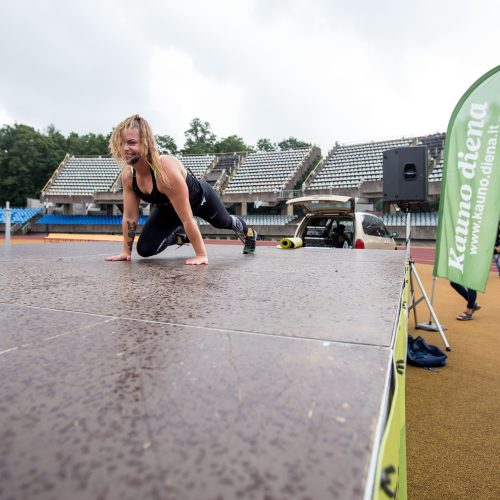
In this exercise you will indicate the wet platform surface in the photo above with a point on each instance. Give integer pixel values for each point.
(254, 377)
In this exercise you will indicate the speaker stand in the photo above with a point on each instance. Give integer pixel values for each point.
(414, 302)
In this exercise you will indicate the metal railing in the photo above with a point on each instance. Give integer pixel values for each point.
(219, 185)
(289, 193)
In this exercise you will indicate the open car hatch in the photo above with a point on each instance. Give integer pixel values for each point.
(317, 204)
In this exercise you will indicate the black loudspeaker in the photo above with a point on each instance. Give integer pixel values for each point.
(405, 174)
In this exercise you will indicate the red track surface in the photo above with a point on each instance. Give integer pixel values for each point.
(425, 255)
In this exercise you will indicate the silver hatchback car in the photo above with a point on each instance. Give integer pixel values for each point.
(331, 221)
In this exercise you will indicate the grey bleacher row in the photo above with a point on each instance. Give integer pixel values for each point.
(84, 175)
(198, 164)
(427, 219)
(348, 166)
(266, 171)
(437, 173)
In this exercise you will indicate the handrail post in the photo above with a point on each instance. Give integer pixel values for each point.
(7, 222)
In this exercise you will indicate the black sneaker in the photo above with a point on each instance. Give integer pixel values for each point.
(250, 239)
(181, 239)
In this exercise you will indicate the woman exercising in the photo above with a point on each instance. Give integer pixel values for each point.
(175, 196)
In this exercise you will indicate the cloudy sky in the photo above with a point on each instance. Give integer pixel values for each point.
(319, 70)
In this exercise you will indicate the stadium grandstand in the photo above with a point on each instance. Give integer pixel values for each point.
(347, 167)
(86, 190)
(80, 177)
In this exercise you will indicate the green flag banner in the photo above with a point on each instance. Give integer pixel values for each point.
(469, 208)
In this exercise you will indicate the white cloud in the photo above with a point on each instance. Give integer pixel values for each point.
(179, 91)
(320, 71)
(5, 119)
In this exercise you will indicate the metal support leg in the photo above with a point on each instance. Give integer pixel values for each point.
(430, 326)
(413, 271)
(413, 303)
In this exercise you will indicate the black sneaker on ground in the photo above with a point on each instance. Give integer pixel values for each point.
(181, 239)
(250, 240)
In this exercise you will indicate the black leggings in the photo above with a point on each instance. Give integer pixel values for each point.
(163, 223)
(468, 294)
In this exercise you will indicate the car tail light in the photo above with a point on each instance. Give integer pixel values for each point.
(359, 244)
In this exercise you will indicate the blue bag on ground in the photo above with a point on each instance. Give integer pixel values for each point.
(424, 355)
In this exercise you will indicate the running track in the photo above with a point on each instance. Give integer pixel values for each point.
(422, 255)
(425, 255)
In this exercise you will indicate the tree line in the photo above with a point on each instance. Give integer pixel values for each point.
(28, 157)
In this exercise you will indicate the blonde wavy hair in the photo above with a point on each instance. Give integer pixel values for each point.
(148, 142)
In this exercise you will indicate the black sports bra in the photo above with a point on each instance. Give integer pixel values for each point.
(157, 198)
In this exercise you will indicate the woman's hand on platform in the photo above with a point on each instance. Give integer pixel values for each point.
(197, 261)
(122, 256)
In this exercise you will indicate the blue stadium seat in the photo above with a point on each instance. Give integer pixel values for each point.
(86, 219)
(19, 215)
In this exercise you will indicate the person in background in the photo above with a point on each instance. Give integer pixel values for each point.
(340, 239)
(496, 250)
(470, 296)
(175, 195)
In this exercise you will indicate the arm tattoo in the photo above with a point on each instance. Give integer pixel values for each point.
(132, 228)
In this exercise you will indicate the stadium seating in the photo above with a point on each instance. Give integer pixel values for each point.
(20, 215)
(349, 165)
(434, 143)
(275, 173)
(435, 149)
(426, 219)
(262, 220)
(264, 171)
(228, 162)
(83, 176)
(197, 164)
(254, 220)
(84, 219)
